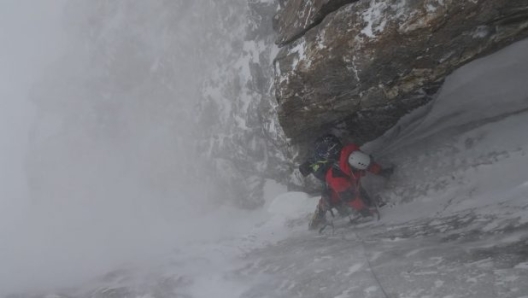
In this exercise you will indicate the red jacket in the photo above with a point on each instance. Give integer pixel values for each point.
(343, 180)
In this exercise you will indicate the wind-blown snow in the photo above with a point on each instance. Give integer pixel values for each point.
(457, 219)
(455, 226)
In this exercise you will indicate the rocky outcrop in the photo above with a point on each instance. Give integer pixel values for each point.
(370, 62)
(240, 135)
(297, 16)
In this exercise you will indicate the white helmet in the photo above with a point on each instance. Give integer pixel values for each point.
(359, 160)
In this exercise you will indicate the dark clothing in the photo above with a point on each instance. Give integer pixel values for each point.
(326, 152)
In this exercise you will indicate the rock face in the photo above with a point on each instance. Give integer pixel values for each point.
(240, 135)
(178, 92)
(370, 62)
(297, 16)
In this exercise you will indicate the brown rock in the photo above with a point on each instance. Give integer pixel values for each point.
(369, 63)
(297, 16)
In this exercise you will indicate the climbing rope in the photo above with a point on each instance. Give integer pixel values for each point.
(370, 265)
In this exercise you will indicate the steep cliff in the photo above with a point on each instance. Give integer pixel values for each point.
(240, 137)
(360, 67)
(201, 93)
(176, 94)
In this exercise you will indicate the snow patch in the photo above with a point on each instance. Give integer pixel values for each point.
(376, 256)
(355, 268)
(481, 32)
(300, 50)
(413, 252)
(371, 289)
(430, 8)
(375, 18)
(291, 205)
(522, 266)
(272, 189)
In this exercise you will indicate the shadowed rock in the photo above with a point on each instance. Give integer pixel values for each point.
(297, 16)
(370, 62)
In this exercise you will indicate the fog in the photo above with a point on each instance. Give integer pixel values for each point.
(30, 40)
(98, 167)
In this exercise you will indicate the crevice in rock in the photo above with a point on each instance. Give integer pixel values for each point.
(511, 16)
(326, 9)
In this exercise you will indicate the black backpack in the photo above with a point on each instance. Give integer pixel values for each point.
(325, 153)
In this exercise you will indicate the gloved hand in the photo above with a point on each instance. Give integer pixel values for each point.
(387, 172)
(306, 168)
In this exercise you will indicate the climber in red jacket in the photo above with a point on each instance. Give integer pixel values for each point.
(343, 185)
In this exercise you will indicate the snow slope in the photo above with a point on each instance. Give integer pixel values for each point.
(456, 225)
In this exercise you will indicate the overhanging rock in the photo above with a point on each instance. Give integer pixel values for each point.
(370, 62)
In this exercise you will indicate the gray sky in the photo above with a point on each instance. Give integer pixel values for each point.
(110, 193)
(29, 40)
(107, 186)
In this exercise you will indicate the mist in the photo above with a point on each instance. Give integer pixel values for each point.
(99, 167)
(30, 41)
